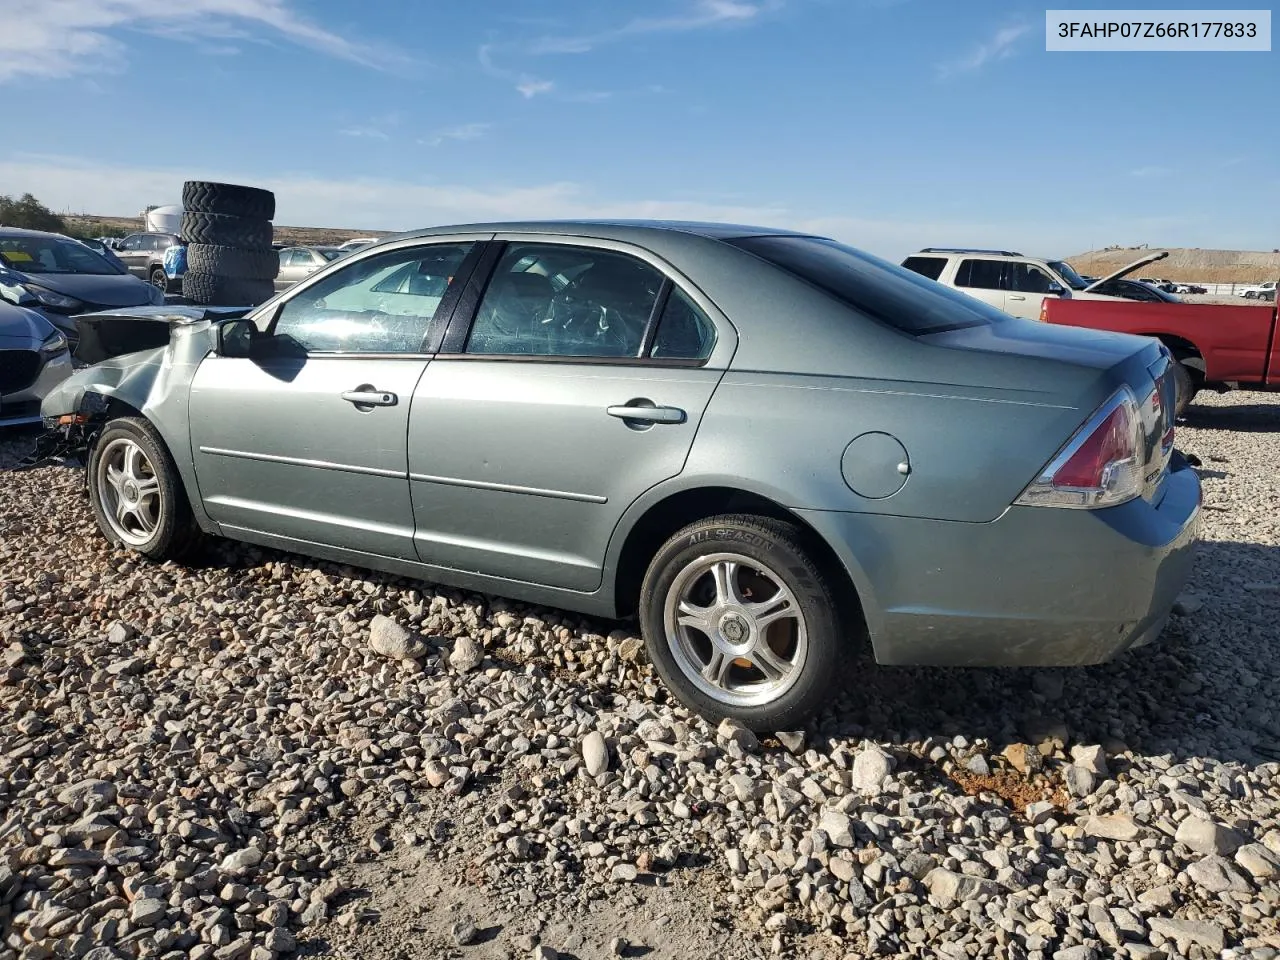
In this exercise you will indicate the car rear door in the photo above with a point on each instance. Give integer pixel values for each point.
(982, 279)
(567, 385)
(134, 253)
(305, 441)
(1026, 286)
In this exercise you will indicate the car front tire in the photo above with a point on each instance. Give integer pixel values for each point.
(740, 621)
(137, 494)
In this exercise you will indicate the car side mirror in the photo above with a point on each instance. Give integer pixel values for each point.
(236, 338)
(1056, 289)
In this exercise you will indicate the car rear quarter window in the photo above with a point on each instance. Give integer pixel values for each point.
(684, 332)
(885, 291)
(930, 267)
(980, 274)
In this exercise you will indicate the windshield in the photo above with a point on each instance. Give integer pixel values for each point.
(891, 294)
(1063, 269)
(49, 254)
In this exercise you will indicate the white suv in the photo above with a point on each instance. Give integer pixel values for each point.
(1263, 291)
(1008, 280)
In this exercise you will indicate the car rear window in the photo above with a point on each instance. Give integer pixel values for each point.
(930, 267)
(885, 291)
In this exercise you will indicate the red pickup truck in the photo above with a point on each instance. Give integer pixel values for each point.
(1217, 346)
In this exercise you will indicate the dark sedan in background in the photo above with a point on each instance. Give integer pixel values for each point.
(60, 278)
(33, 360)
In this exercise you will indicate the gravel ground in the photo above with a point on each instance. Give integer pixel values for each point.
(241, 759)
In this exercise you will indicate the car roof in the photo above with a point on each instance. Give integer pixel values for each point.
(23, 232)
(986, 254)
(619, 229)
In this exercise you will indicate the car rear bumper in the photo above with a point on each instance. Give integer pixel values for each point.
(1037, 587)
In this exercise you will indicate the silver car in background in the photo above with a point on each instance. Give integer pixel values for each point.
(768, 446)
(298, 263)
(33, 360)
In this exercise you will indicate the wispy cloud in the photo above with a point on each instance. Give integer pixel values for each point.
(526, 84)
(999, 46)
(462, 132)
(368, 133)
(701, 15)
(1152, 171)
(697, 15)
(62, 38)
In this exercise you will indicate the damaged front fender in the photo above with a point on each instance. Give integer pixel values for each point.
(154, 384)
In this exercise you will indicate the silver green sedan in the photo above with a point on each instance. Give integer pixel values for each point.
(769, 447)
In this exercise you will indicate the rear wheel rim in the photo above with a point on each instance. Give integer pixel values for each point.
(129, 491)
(735, 630)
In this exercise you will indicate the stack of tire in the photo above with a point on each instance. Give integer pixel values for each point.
(228, 232)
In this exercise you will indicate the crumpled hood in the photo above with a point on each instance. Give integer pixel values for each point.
(120, 290)
(112, 333)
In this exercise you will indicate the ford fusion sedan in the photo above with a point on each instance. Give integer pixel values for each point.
(770, 447)
(61, 278)
(33, 360)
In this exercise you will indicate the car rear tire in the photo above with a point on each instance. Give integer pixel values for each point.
(226, 230)
(205, 196)
(201, 287)
(136, 492)
(159, 279)
(1186, 387)
(740, 621)
(224, 261)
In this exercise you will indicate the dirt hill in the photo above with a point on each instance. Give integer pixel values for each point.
(1185, 264)
(92, 225)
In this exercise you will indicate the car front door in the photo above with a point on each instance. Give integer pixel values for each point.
(576, 384)
(305, 441)
(133, 251)
(1026, 286)
(982, 279)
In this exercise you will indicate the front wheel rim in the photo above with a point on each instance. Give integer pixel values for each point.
(129, 491)
(735, 630)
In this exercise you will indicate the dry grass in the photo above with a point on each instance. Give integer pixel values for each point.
(93, 225)
(1188, 265)
(1011, 787)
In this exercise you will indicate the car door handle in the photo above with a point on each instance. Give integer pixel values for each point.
(370, 398)
(1016, 296)
(647, 414)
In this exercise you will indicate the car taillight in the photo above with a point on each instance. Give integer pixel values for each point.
(1100, 466)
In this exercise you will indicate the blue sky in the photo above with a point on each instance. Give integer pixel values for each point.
(891, 124)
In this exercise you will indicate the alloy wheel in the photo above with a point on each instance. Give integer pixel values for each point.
(736, 630)
(129, 491)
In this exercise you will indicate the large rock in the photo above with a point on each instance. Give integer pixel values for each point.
(731, 731)
(595, 753)
(147, 912)
(837, 826)
(948, 888)
(1091, 757)
(85, 790)
(241, 861)
(1205, 836)
(1261, 863)
(1184, 933)
(389, 639)
(467, 654)
(1116, 826)
(1024, 758)
(1216, 875)
(870, 768)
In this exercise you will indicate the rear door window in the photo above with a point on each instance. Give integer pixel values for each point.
(980, 274)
